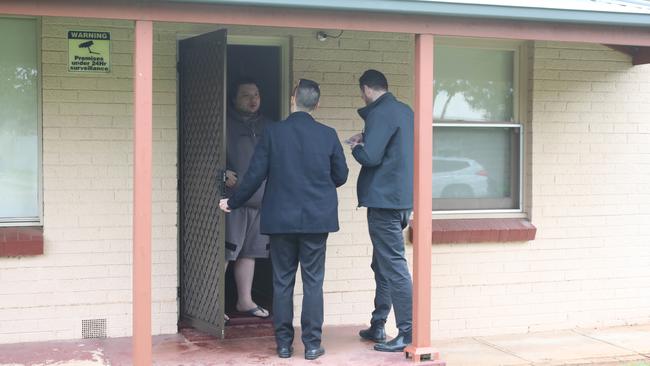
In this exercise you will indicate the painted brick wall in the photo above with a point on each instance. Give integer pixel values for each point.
(591, 161)
(589, 167)
(85, 272)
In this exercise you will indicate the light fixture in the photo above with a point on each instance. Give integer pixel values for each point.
(322, 36)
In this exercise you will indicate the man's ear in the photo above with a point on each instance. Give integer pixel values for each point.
(364, 89)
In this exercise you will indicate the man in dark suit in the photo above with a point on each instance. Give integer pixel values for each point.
(385, 187)
(303, 163)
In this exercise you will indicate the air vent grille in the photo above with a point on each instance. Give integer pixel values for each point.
(93, 328)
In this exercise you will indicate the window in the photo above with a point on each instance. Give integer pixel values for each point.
(19, 122)
(477, 128)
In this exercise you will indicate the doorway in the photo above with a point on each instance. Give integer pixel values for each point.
(266, 60)
(260, 59)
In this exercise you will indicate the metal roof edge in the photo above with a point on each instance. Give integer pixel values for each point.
(452, 10)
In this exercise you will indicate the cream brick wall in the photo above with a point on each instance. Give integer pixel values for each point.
(590, 186)
(587, 164)
(85, 272)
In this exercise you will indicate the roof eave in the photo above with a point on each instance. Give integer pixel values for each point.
(452, 10)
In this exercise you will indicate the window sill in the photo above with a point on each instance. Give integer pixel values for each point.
(492, 230)
(19, 241)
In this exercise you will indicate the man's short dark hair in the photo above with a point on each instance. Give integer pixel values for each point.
(374, 80)
(307, 94)
(233, 88)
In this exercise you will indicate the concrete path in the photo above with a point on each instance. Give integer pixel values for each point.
(628, 345)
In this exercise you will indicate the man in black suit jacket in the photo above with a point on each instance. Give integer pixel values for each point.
(303, 163)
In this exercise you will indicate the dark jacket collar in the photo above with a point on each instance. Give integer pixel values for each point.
(363, 112)
(300, 115)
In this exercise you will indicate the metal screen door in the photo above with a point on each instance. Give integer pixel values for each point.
(202, 159)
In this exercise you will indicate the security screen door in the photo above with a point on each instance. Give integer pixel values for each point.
(202, 159)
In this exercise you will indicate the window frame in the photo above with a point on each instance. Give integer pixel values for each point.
(520, 118)
(34, 221)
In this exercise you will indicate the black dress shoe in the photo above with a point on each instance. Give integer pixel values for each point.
(396, 344)
(314, 353)
(375, 333)
(284, 352)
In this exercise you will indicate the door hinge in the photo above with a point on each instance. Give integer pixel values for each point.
(178, 67)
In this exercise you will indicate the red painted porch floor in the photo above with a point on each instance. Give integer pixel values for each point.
(628, 346)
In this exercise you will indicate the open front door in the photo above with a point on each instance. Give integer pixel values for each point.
(202, 159)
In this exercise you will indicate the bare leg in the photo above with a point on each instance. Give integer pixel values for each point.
(226, 318)
(244, 270)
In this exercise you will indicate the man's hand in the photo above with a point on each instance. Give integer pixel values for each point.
(231, 178)
(355, 140)
(223, 205)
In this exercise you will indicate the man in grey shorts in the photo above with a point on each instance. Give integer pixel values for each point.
(244, 243)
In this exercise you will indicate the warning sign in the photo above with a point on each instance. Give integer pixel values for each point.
(89, 51)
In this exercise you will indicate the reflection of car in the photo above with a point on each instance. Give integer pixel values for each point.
(458, 178)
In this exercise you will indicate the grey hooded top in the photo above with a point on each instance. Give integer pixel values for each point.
(242, 136)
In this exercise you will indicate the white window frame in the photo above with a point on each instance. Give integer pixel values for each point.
(34, 221)
(520, 67)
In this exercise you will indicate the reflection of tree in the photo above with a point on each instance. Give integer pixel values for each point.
(451, 88)
(492, 98)
(481, 79)
(17, 96)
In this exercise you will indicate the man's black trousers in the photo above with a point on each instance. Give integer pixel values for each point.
(392, 278)
(287, 250)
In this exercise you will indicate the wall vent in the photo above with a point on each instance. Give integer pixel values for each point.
(93, 328)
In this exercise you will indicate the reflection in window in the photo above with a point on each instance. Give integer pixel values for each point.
(18, 120)
(476, 127)
(475, 167)
(473, 84)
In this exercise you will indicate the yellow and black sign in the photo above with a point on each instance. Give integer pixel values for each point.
(89, 51)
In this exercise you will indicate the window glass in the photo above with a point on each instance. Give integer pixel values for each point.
(476, 132)
(19, 138)
(473, 84)
(475, 168)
